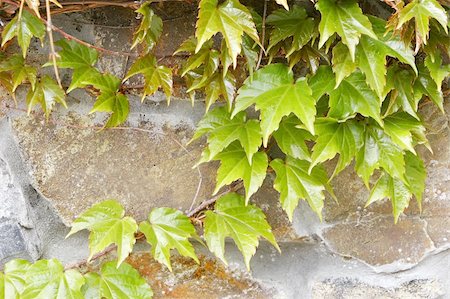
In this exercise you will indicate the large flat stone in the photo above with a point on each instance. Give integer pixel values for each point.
(75, 165)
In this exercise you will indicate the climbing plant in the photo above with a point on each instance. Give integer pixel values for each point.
(324, 80)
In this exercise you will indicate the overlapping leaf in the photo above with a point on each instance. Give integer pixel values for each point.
(13, 280)
(294, 181)
(425, 85)
(291, 139)
(343, 138)
(116, 282)
(234, 165)
(46, 93)
(110, 99)
(149, 29)
(230, 18)
(401, 127)
(275, 94)
(379, 151)
(293, 25)
(222, 131)
(107, 225)
(156, 76)
(168, 229)
(47, 279)
(422, 11)
(19, 71)
(344, 18)
(243, 223)
(23, 26)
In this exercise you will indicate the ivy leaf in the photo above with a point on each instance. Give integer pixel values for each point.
(24, 28)
(110, 99)
(322, 82)
(294, 182)
(416, 175)
(438, 71)
(107, 225)
(73, 55)
(243, 223)
(395, 190)
(422, 11)
(168, 229)
(230, 18)
(291, 24)
(12, 281)
(283, 3)
(424, 84)
(149, 29)
(250, 52)
(274, 92)
(47, 279)
(354, 96)
(344, 18)
(336, 138)
(234, 165)
(224, 130)
(46, 93)
(400, 127)
(196, 58)
(291, 139)
(20, 72)
(116, 282)
(343, 64)
(155, 75)
(379, 151)
(219, 86)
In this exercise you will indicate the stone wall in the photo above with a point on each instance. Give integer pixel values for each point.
(52, 171)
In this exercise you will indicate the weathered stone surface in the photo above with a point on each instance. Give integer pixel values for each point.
(379, 242)
(353, 289)
(74, 165)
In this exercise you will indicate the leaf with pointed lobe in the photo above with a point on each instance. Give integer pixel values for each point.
(46, 93)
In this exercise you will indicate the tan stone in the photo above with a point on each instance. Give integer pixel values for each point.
(378, 241)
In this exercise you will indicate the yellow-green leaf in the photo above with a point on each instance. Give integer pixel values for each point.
(46, 93)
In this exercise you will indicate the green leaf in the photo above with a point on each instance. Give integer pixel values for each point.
(24, 28)
(379, 151)
(322, 82)
(149, 29)
(354, 96)
(416, 175)
(401, 127)
(438, 71)
(295, 182)
(344, 18)
(47, 279)
(424, 84)
(12, 281)
(168, 229)
(401, 82)
(291, 24)
(230, 18)
(155, 76)
(19, 71)
(243, 223)
(224, 130)
(274, 92)
(234, 165)
(107, 225)
(343, 64)
(250, 52)
(395, 190)
(336, 138)
(219, 86)
(422, 11)
(115, 283)
(291, 139)
(110, 99)
(46, 93)
(73, 55)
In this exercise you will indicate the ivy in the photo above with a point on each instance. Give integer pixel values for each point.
(331, 82)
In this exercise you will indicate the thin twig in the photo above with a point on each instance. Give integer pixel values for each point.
(213, 199)
(94, 257)
(52, 53)
(106, 51)
(263, 34)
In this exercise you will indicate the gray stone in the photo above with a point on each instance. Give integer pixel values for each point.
(343, 288)
(14, 242)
